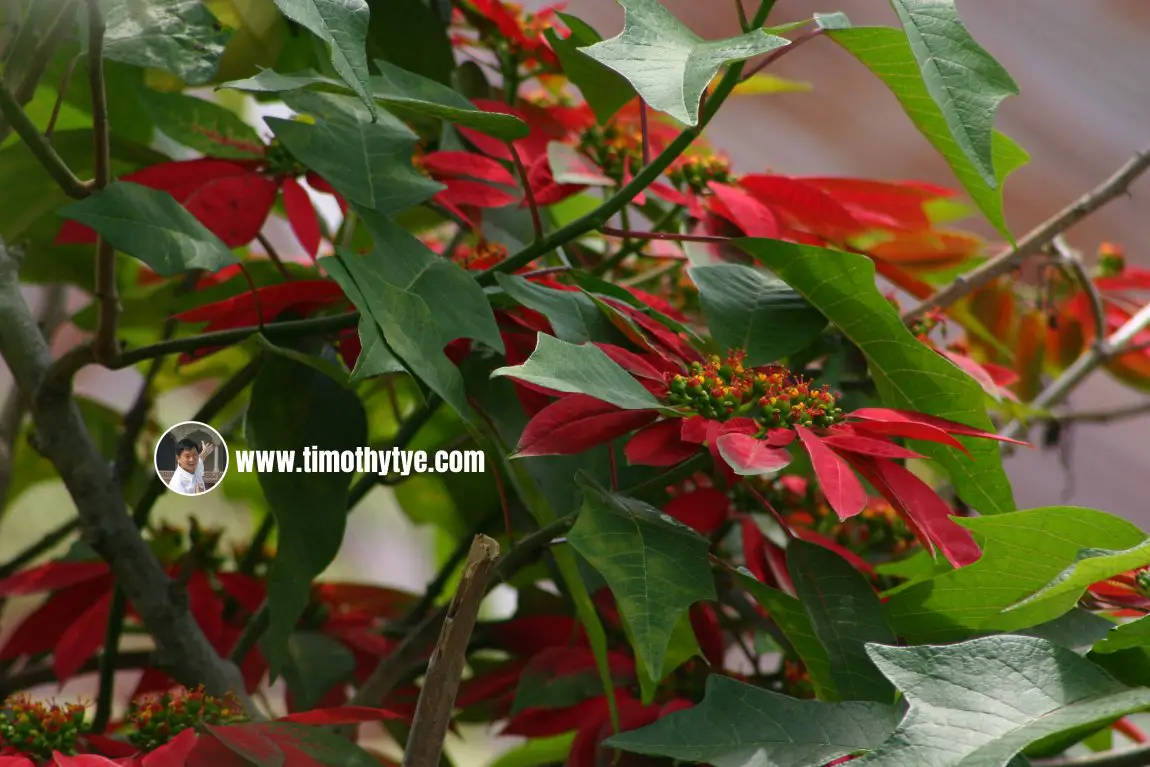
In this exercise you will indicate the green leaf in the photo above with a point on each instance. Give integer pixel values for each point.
(792, 619)
(395, 23)
(293, 407)
(343, 25)
(604, 90)
(151, 226)
(177, 36)
(982, 702)
(888, 54)
(1128, 636)
(655, 566)
(400, 91)
(200, 125)
(537, 752)
(396, 285)
(846, 614)
(322, 744)
(746, 308)
(681, 647)
(669, 65)
(369, 163)
(907, 373)
(965, 81)
(1023, 554)
(740, 725)
(1078, 630)
(315, 664)
(573, 315)
(580, 369)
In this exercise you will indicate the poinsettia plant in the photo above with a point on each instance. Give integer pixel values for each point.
(742, 431)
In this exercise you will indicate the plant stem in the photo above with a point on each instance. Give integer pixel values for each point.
(1132, 757)
(536, 220)
(778, 53)
(49, 541)
(1037, 239)
(275, 257)
(109, 660)
(601, 215)
(253, 631)
(617, 258)
(672, 236)
(105, 347)
(40, 146)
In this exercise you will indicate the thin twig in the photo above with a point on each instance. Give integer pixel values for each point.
(1096, 355)
(536, 220)
(778, 53)
(109, 660)
(274, 256)
(105, 347)
(1100, 415)
(24, 71)
(445, 669)
(61, 94)
(250, 636)
(544, 271)
(46, 674)
(1072, 260)
(40, 146)
(645, 130)
(672, 236)
(1037, 239)
(48, 542)
(636, 246)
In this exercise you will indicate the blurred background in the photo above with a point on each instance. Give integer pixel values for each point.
(1083, 111)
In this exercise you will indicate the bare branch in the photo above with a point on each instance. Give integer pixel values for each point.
(1037, 239)
(1100, 415)
(1072, 260)
(444, 671)
(105, 347)
(64, 439)
(39, 146)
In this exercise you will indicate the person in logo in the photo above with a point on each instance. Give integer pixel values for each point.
(188, 478)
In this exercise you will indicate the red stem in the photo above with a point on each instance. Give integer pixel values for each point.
(613, 232)
(646, 132)
(536, 221)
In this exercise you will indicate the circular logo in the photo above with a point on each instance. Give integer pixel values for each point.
(191, 458)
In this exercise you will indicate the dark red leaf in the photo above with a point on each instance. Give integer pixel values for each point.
(82, 760)
(302, 216)
(708, 633)
(810, 536)
(656, 336)
(544, 188)
(105, 746)
(744, 211)
(377, 601)
(807, 204)
(841, 439)
(246, 589)
(498, 682)
(659, 444)
(764, 559)
(50, 576)
(636, 364)
(845, 494)
(249, 741)
(318, 183)
(82, 639)
(235, 207)
(529, 634)
(908, 430)
(210, 752)
(476, 194)
(174, 753)
(704, 509)
(206, 607)
(576, 423)
(890, 415)
(243, 309)
(452, 164)
(340, 715)
(919, 504)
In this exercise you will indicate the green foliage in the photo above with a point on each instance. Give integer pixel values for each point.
(748, 309)
(315, 664)
(739, 724)
(295, 407)
(669, 65)
(656, 567)
(580, 369)
(845, 614)
(151, 226)
(1034, 567)
(605, 90)
(984, 701)
(176, 36)
(200, 124)
(907, 373)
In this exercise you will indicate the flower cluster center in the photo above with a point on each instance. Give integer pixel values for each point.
(722, 389)
(615, 149)
(159, 719)
(695, 172)
(37, 729)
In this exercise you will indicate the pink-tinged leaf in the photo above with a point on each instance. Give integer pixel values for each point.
(105, 746)
(636, 364)
(476, 194)
(810, 536)
(50, 576)
(659, 444)
(750, 457)
(908, 430)
(301, 216)
(489, 145)
(704, 509)
(979, 374)
(890, 415)
(250, 742)
(174, 753)
(210, 752)
(918, 502)
(766, 561)
(470, 164)
(545, 189)
(845, 493)
(808, 205)
(570, 167)
(883, 203)
(82, 760)
(841, 439)
(39, 631)
(576, 423)
(16, 760)
(744, 211)
(651, 333)
(81, 639)
(628, 177)
(668, 194)
(340, 715)
(234, 208)
(780, 437)
(318, 183)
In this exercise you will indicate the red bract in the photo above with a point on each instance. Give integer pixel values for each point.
(232, 198)
(506, 27)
